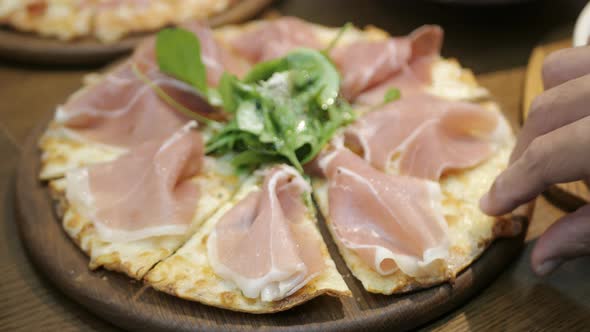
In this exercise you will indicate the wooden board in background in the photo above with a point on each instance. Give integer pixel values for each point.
(569, 196)
(130, 305)
(32, 48)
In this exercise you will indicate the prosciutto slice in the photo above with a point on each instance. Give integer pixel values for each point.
(144, 193)
(275, 38)
(400, 62)
(265, 244)
(431, 134)
(123, 111)
(391, 222)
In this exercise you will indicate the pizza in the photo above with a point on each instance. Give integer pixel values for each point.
(107, 20)
(206, 164)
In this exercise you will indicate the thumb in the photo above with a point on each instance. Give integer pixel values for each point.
(567, 238)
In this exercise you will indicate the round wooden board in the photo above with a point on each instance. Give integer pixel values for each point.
(132, 306)
(569, 196)
(32, 48)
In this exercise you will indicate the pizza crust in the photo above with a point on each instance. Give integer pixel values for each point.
(62, 150)
(188, 275)
(216, 186)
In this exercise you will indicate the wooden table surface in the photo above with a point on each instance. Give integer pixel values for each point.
(494, 41)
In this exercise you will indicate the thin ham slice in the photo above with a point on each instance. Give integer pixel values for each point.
(144, 193)
(431, 134)
(265, 244)
(124, 111)
(410, 80)
(402, 62)
(391, 222)
(459, 140)
(275, 38)
(216, 58)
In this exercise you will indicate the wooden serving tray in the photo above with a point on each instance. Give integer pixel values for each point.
(569, 196)
(32, 48)
(131, 305)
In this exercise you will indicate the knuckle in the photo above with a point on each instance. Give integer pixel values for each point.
(538, 107)
(551, 65)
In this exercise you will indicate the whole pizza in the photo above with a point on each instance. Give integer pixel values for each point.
(107, 20)
(197, 164)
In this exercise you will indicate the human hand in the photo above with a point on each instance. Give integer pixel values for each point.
(553, 147)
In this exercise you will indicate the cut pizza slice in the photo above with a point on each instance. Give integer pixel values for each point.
(403, 225)
(162, 191)
(260, 253)
(137, 183)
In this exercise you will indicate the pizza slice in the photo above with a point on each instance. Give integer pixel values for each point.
(128, 220)
(260, 253)
(128, 170)
(399, 188)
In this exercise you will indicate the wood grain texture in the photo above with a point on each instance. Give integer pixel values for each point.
(572, 195)
(32, 48)
(132, 306)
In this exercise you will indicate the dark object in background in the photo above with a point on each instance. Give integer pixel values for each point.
(481, 2)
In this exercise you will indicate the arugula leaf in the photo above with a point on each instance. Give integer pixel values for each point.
(285, 110)
(248, 118)
(336, 39)
(392, 94)
(178, 53)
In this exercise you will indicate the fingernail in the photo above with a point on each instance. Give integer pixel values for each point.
(548, 266)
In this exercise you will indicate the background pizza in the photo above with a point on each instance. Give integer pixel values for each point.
(107, 20)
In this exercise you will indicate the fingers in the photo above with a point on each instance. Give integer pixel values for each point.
(560, 156)
(553, 109)
(568, 238)
(566, 65)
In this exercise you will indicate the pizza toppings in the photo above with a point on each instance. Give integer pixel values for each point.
(274, 39)
(391, 222)
(121, 110)
(282, 101)
(460, 139)
(429, 134)
(144, 193)
(284, 110)
(367, 64)
(209, 53)
(263, 244)
(124, 110)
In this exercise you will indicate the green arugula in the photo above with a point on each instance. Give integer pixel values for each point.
(283, 110)
(339, 35)
(178, 53)
(392, 94)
